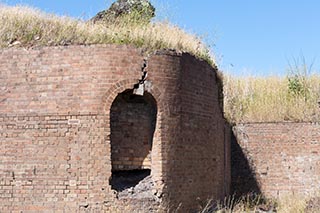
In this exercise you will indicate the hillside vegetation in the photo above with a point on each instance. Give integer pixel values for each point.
(27, 27)
(272, 99)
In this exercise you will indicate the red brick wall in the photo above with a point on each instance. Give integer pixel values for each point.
(199, 155)
(55, 127)
(283, 158)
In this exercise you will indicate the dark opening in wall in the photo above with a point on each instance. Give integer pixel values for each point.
(132, 123)
(122, 180)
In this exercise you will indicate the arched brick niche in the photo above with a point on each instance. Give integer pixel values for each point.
(132, 124)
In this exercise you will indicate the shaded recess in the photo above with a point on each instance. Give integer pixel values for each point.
(243, 179)
(132, 123)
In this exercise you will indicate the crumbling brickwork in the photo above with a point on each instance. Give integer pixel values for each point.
(55, 129)
(282, 158)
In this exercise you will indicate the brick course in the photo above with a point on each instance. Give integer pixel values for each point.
(55, 128)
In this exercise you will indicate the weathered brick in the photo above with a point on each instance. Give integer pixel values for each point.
(59, 141)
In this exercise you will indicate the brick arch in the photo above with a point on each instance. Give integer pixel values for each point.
(111, 95)
(123, 85)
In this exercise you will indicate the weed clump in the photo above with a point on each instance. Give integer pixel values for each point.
(247, 203)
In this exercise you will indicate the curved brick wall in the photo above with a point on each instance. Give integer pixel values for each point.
(276, 159)
(55, 128)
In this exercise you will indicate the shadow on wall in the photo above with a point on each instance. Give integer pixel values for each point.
(243, 180)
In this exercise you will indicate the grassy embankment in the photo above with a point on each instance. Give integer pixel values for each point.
(24, 26)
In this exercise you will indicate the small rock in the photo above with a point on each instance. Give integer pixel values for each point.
(313, 205)
(14, 43)
(122, 7)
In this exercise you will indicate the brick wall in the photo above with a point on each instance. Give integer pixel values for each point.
(199, 170)
(51, 162)
(276, 158)
(55, 128)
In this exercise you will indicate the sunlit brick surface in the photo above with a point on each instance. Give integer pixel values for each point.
(55, 128)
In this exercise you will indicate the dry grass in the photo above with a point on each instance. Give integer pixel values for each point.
(24, 26)
(257, 203)
(270, 99)
(249, 203)
(292, 204)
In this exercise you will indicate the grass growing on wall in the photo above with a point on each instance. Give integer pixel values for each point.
(24, 26)
(271, 99)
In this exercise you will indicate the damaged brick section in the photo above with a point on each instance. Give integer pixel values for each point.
(143, 85)
(132, 120)
(75, 127)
